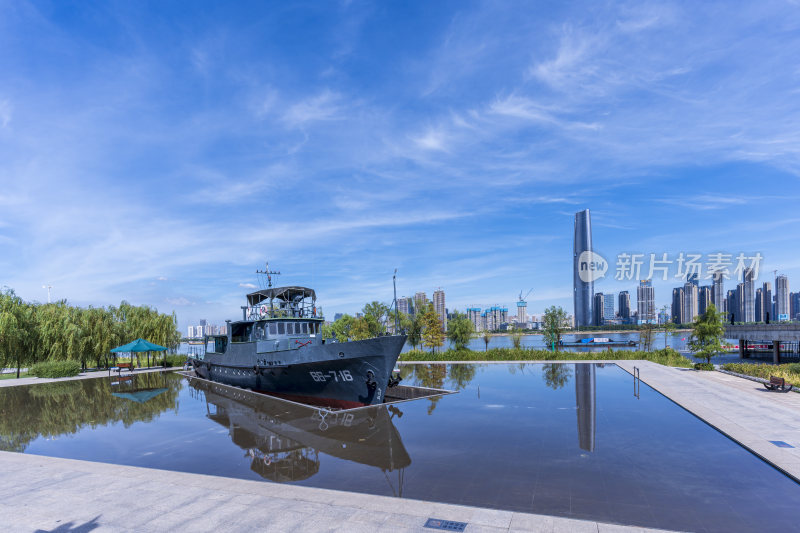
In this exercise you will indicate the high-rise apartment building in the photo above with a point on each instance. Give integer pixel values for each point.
(439, 307)
(583, 290)
(677, 305)
(474, 316)
(624, 305)
(690, 302)
(768, 312)
(782, 298)
(522, 312)
(420, 301)
(646, 302)
(190, 333)
(404, 305)
(718, 292)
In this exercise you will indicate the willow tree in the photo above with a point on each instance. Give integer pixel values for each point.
(554, 324)
(16, 330)
(460, 330)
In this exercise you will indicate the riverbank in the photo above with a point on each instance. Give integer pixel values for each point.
(593, 333)
(666, 357)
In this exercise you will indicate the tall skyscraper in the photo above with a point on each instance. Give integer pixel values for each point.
(732, 307)
(624, 305)
(794, 305)
(693, 278)
(782, 298)
(703, 298)
(439, 306)
(740, 302)
(646, 302)
(583, 290)
(718, 293)
(760, 314)
(522, 312)
(690, 302)
(608, 307)
(677, 305)
(599, 303)
(748, 278)
(766, 291)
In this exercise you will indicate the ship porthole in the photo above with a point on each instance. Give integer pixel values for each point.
(341, 354)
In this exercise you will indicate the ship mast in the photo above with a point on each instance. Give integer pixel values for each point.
(269, 274)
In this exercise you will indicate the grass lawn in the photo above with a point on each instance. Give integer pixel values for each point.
(14, 375)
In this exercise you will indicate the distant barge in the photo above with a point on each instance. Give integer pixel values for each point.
(597, 341)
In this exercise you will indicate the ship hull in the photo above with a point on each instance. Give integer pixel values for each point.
(341, 375)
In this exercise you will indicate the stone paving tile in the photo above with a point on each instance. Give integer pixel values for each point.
(748, 414)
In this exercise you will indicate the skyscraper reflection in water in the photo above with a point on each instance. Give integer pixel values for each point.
(585, 402)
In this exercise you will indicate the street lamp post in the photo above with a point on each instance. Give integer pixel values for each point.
(48, 287)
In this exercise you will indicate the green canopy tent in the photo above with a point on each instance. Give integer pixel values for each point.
(138, 346)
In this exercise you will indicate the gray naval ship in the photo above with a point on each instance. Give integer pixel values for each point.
(277, 348)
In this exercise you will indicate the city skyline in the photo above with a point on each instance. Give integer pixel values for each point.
(339, 141)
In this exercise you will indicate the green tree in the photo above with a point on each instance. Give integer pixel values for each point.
(556, 375)
(516, 338)
(413, 326)
(669, 325)
(14, 330)
(460, 330)
(707, 333)
(432, 332)
(554, 323)
(486, 338)
(646, 336)
(376, 313)
(341, 328)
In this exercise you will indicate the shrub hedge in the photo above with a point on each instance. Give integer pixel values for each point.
(790, 372)
(55, 369)
(704, 366)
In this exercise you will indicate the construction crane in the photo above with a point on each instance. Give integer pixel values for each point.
(521, 299)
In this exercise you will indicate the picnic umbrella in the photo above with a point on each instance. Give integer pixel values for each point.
(139, 345)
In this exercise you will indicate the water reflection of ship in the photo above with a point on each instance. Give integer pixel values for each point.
(585, 402)
(284, 439)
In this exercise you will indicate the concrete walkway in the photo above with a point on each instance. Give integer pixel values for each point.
(64, 495)
(742, 409)
(13, 382)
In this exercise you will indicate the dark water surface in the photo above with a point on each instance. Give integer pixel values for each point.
(562, 439)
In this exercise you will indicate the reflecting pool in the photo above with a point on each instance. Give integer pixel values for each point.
(563, 439)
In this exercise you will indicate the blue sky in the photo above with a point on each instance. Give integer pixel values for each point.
(162, 152)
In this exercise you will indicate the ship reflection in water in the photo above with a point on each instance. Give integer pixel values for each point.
(284, 439)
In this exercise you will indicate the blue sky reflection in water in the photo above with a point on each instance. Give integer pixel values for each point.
(563, 439)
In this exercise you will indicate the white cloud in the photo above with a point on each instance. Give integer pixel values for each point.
(247, 286)
(325, 106)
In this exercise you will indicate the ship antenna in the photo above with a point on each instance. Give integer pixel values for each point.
(396, 316)
(269, 274)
